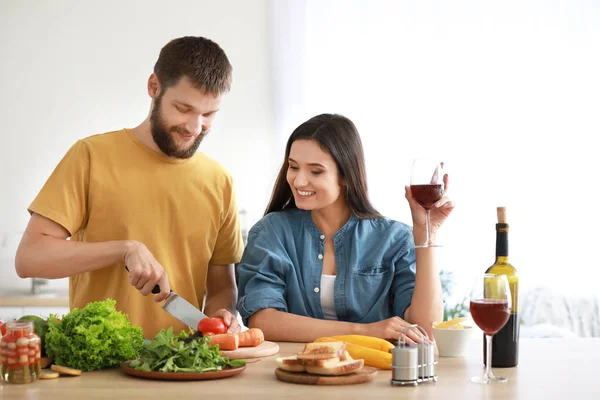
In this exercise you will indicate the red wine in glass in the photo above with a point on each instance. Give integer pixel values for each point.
(490, 315)
(427, 187)
(490, 303)
(427, 195)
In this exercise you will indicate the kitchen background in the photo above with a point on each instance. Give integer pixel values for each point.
(507, 92)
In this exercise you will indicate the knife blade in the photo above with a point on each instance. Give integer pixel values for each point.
(180, 308)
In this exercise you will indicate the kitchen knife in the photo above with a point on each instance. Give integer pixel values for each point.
(180, 308)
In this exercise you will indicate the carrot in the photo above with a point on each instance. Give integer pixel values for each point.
(251, 338)
(225, 341)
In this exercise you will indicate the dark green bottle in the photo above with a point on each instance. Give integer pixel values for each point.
(505, 343)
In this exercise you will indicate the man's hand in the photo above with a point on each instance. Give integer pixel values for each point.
(221, 295)
(229, 319)
(145, 272)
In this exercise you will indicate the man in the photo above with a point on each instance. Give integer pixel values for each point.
(145, 199)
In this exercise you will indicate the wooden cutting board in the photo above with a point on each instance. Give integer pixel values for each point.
(366, 374)
(264, 349)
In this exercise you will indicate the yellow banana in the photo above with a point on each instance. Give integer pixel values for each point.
(448, 324)
(372, 357)
(367, 341)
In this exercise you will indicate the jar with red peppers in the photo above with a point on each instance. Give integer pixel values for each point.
(20, 353)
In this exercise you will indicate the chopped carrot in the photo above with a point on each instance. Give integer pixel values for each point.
(225, 341)
(251, 338)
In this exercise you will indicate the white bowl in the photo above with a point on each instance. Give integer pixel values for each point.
(452, 342)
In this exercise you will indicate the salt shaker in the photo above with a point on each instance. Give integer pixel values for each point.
(405, 370)
(413, 364)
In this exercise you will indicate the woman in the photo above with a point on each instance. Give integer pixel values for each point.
(323, 261)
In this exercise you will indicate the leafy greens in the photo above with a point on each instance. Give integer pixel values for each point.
(168, 352)
(94, 337)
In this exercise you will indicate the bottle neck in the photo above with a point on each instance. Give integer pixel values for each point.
(502, 242)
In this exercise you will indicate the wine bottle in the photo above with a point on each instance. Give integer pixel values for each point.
(505, 343)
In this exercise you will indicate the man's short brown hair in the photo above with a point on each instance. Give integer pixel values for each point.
(199, 59)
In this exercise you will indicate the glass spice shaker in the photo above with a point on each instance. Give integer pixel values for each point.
(20, 351)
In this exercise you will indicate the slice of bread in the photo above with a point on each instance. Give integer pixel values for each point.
(322, 351)
(336, 367)
(321, 363)
(290, 363)
(346, 356)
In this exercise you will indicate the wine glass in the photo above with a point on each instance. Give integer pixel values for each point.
(427, 187)
(490, 308)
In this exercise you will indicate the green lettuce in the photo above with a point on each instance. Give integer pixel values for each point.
(168, 352)
(94, 337)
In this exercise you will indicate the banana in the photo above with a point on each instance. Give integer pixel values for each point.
(367, 341)
(448, 324)
(374, 358)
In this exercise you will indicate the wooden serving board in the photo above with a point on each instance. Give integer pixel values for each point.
(264, 349)
(366, 374)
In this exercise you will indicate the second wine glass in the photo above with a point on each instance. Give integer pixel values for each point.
(490, 309)
(427, 187)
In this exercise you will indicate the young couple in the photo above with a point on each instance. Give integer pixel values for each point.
(321, 262)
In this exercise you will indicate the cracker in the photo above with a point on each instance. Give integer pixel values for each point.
(49, 375)
(65, 370)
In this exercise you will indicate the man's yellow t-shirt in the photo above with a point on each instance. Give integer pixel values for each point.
(113, 187)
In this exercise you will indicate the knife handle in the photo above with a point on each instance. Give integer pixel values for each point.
(155, 289)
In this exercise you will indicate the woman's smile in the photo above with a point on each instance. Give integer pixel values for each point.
(304, 193)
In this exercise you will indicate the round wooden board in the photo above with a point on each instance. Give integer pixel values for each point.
(264, 349)
(366, 374)
(181, 376)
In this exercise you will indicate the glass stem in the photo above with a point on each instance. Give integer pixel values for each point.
(488, 357)
(427, 225)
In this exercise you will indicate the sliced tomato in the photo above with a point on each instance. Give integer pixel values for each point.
(212, 325)
(2, 328)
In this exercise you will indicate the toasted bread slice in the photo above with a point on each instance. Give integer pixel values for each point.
(322, 351)
(290, 363)
(321, 363)
(346, 356)
(336, 368)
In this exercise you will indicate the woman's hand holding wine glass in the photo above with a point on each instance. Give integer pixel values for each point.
(428, 205)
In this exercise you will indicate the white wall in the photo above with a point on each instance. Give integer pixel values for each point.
(506, 91)
(70, 69)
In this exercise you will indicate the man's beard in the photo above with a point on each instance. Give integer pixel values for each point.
(164, 140)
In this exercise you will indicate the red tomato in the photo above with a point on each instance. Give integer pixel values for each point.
(212, 325)
(2, 328)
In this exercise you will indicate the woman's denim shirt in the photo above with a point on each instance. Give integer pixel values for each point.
(282, 265)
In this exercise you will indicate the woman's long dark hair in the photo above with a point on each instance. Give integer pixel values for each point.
(338, 136)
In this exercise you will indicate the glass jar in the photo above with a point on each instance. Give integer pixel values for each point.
(20, 351)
